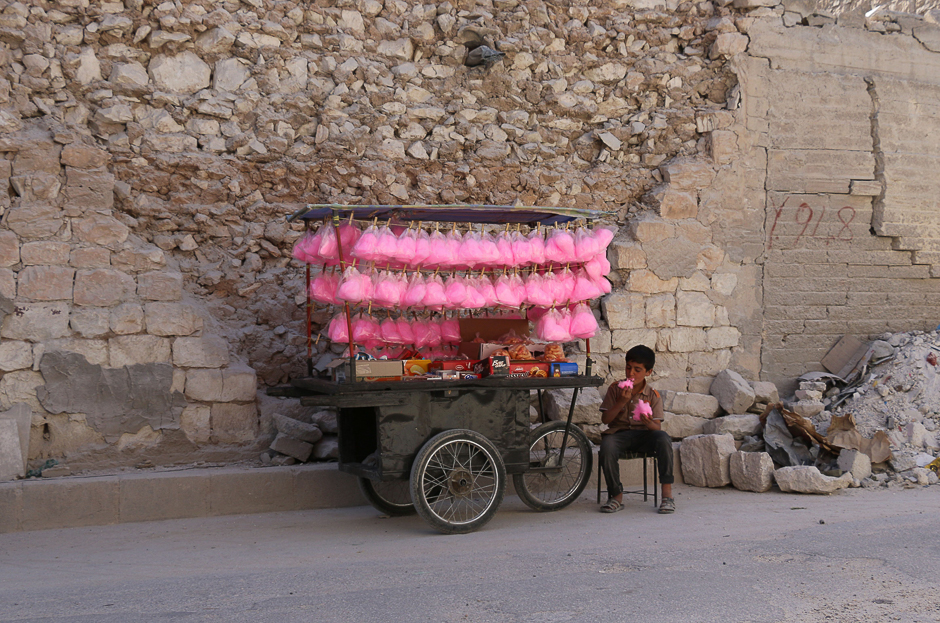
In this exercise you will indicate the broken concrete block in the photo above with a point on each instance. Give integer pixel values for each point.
(738, 425)
(586, 410)
(22, 414)
(285, 444)
(327, 448)
(680, 426)
(765, 391)
(734, 394)
(11, 457)
(698, 405)
(902, 462)
(751, 471)
(808, 479)
(705, 460)
(297, 429)
(855, 462)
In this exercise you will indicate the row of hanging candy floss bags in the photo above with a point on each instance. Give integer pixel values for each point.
(414, 247)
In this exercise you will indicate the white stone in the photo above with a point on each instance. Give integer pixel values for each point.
(200, 352)
(680, 426)
(738, 425)
(401, 48)
(168, 319)
(856, 462)
(751, 471)
(624, 310)
(195, 423)
(204, 384)
(37, 322)
(239, 384)
(128, 350)
(609, 72)
(723, 337)
(184, 73)
(699, 405)
(705, 460)
(765, 392)
(89, 69)
(693, 309)
(734, 394)
(215, 41)
(15, 355)
(130, 74)
(230, 73)
(586, 410)
(808, 479)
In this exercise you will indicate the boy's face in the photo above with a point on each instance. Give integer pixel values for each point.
(637, 372)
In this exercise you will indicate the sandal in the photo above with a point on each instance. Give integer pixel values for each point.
(667, 506)
(611, 506)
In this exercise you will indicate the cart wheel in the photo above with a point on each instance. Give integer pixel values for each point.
(392, 497)
(457, 481)
(551, 490)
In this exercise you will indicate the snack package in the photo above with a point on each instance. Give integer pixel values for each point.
(553, 353)
(520, 353)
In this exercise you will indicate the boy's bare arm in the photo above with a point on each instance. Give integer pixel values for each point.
(610, 414)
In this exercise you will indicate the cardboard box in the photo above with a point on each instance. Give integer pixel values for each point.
(491, 330)
(563, 369)
(460, 365)
(530, 368)
(378, 368)
(493, 366)
(416, 367)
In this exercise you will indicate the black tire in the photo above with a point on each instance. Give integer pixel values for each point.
(552, 490)
(392, 497)
(457, 481)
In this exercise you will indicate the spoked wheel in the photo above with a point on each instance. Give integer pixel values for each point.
(457, 481)
(555, 477)
(392, 497)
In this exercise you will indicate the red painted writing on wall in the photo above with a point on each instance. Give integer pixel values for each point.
(805, 215)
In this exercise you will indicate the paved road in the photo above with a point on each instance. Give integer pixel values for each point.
(726, 556)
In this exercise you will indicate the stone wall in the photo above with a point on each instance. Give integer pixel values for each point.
(152, 151)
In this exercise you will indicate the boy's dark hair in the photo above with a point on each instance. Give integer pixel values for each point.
(643, 355)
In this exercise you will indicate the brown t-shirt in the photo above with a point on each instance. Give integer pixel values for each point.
(624, 419)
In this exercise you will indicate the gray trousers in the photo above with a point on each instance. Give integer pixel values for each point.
(614, 445)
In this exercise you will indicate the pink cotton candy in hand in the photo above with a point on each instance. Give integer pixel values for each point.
(642, 409)
(627, 384)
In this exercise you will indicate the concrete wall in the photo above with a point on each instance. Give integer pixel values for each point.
(151, 151)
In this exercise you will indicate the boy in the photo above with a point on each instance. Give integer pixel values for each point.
(627, 433)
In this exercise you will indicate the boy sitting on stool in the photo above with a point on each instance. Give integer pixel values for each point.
(633, 412)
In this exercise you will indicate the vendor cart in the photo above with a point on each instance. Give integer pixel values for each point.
(444, 448)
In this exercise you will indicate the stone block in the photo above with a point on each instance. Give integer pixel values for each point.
(172, 319)
(729, 44)
(90, 322)
(296, 429)
(855, 462)
(808, 479)
(92, 257)
(234, 423)
(11, 458)
(37, 322)
(22, 414)
(200, 352)
(35, 221)
(327, 448)
(765, 392)
(300, 450)
(100, 229)
(20, 386)
(160, 286)
(751, 471)
(683, 339)
(15, 355)
(45, 253)
(647, 281)
(204, 384)
(90, 189)
(252, 491)
(738, 425)
(734, 394)
(648, 229)
(624, 311)
(680, 426)
(183, 73)
(699, 405)
(95, 351)
(688, 175)
(625, 340)
(325, 421)
(139, 258)
(77, 503)
(102, 287)
(46, 283)
(693, 309)
(84, 156)
(674, 204)
(722, 146)
(156, 496)
(661, 310)
(723, 337)
(128, 350)
(9, 249)
(625, 254)
(7, 285)
(196, 424)
(239, 384)
(675, 257)
(705, 460)
(586, 411)
(127, 319)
